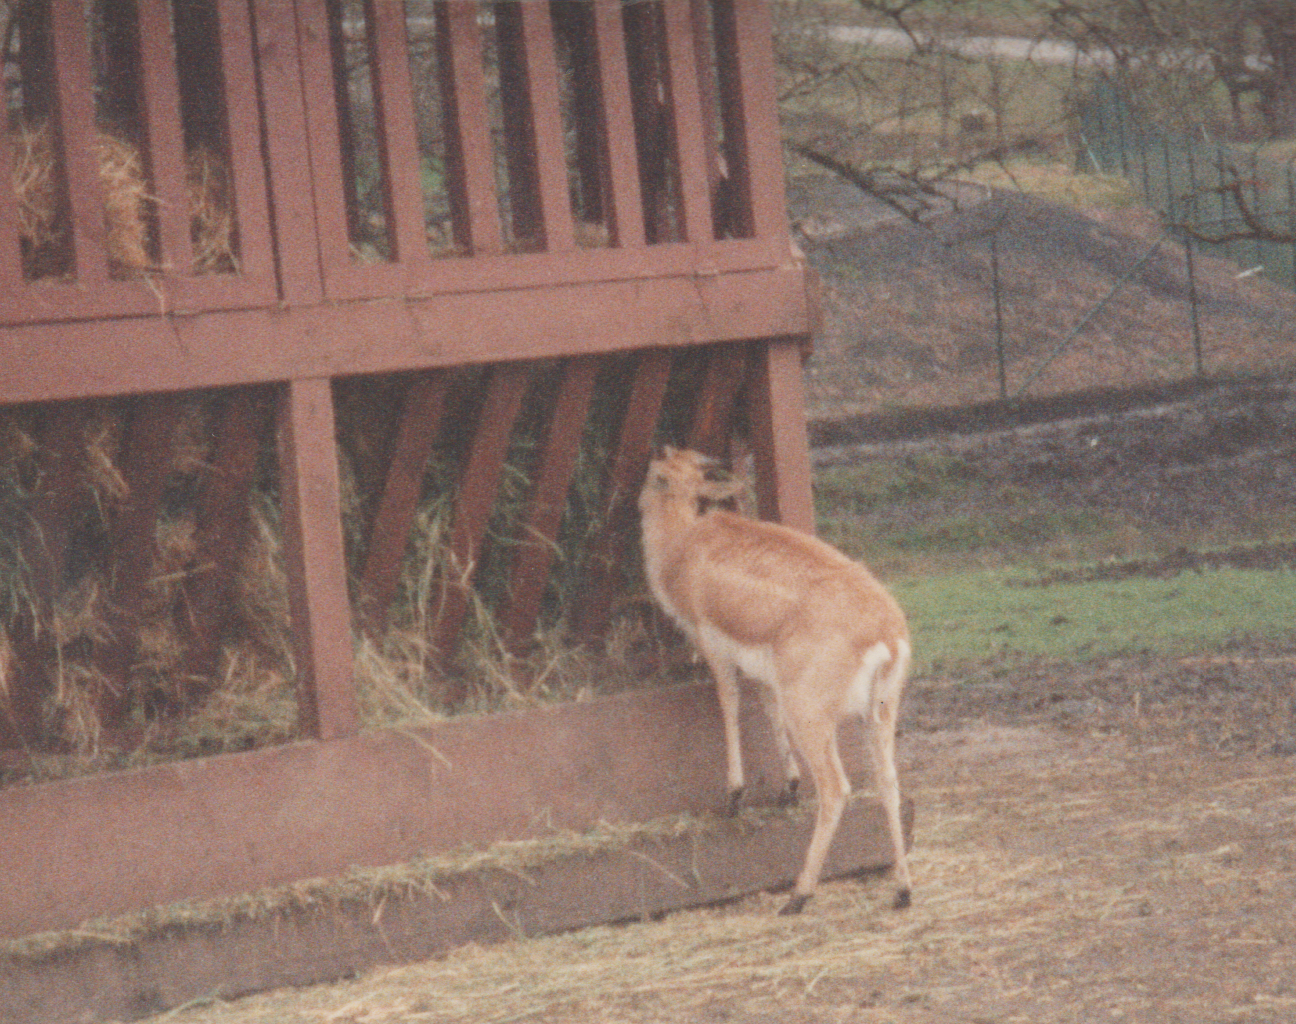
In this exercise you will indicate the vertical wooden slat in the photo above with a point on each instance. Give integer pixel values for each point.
(394, 109)
(726, 373)
(161, 87)
(76, 117)
(144, 462)
(547, 128)
(420, 422)
(780, 441)
(325, 166)
(223, 519)
(469, 155)
(708, 98)
(529, 573)
(313, 554)
(627, 228)
(693, 156)
(626, 469)
(246, 167)
(758, 128)
(291, 181)
(478, 486)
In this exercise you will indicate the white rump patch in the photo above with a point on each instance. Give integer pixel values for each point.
(860, 696)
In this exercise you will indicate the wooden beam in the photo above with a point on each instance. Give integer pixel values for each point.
(780, 441)
(529, 573)
(478, 486)
(144, 462)
(63, 360)
(604, 565)
(470, 158)
(312, 529)
(394, 114)
(223, 825)
(420, 422)
(713, 410)
(637, 879)
(224, 521)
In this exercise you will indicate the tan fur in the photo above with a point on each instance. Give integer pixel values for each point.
(816, 629)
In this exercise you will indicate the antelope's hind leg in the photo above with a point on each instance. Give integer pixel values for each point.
(816, 739)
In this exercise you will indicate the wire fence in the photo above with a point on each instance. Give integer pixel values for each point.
(1201, 186)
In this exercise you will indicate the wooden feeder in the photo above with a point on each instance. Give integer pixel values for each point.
(362, 205)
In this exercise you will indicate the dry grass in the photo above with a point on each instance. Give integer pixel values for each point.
(128, 205)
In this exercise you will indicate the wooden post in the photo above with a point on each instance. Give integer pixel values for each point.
(312, 529)
(780, 441)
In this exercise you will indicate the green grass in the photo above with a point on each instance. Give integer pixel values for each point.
(967, 619)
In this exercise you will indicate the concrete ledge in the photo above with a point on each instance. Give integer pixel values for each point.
(157, 968)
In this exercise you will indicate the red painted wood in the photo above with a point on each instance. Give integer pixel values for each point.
(730, 191)
(264, 345)
(233, 823)
(780, 442)
(694, 158)
(161, 101)
(754, 63)
(478, 486)
(256, 259)
(223, 519)
(312, 529)
(144, 462)
(322, 120)
(547, 128)
(420, 424)
(713, 862)
(529, 573)
(469, 154)
(394, 110)
(713, 410)
(605, 563)
(622, 174)
(75, 88)
(292, 185)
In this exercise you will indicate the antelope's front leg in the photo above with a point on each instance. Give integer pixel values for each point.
(726, 680)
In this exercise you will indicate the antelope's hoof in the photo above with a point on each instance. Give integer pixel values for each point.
(790, 797)
(903, 899)
(735, 802)
(794, 905)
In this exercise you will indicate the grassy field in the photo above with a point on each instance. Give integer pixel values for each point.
(993, 575)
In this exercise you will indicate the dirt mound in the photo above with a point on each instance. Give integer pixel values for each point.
(910, 316)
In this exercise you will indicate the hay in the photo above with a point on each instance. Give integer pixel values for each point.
(128, 206)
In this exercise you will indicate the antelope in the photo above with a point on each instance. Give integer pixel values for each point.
(822, 636)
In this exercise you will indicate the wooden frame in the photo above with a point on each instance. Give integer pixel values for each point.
(300, 311)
